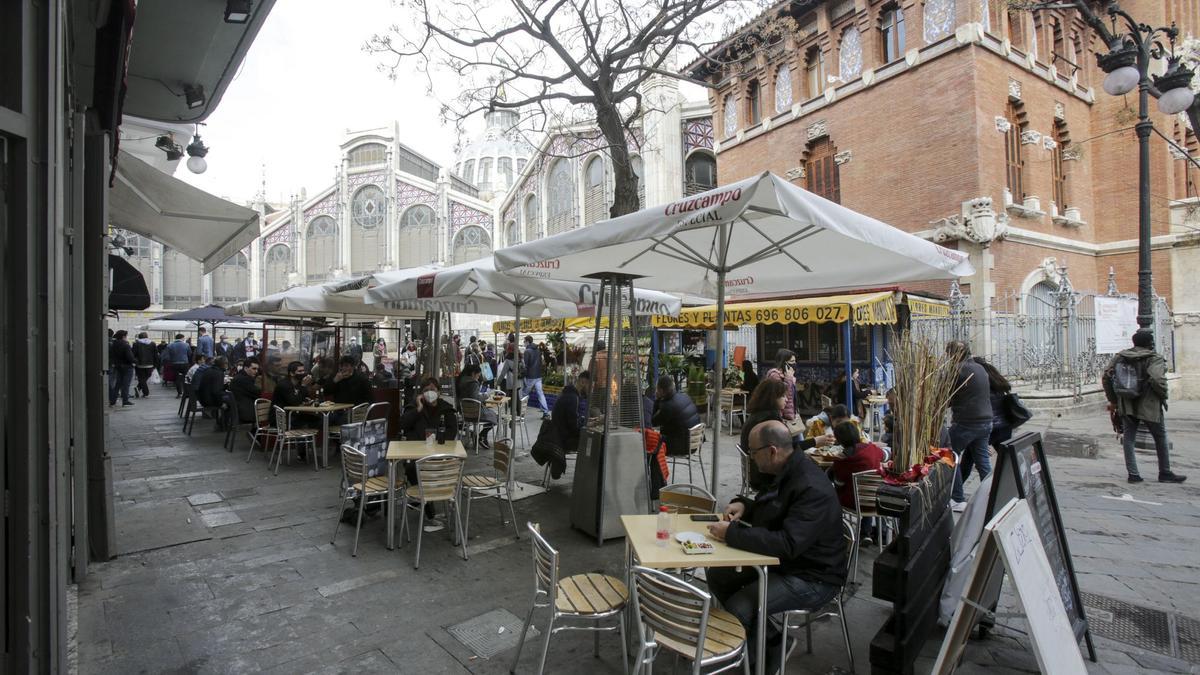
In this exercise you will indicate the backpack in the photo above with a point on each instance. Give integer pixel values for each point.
(1129, 378)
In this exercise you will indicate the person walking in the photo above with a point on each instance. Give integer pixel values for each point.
(971, 427)
(120, 364)
(533, 375)
(204, 344)
(177, 354)
(1135, 384)
(146, 361)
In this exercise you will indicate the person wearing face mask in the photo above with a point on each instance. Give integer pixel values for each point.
(785, 372)
(424, 415)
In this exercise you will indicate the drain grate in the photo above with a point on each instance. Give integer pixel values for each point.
(1132, 624)
(1188, 632)
(492, 633)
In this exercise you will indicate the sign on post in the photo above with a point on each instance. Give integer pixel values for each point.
(1116, 321)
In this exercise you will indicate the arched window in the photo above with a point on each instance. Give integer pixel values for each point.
(320, 249)
(504, 172)
(485, 172)
(639, 171)
(471, 243)
(512, 234)
(850, 58)
(368, 238)
(533, 219)
(560, 198)
(231, 281)
(418, 236)
(821, 170)
(891, 33)
(594, 203)
(468, 173)
(521, 165)
(731, 116)
(700, 173)
(753, 103)
(814, 72)
(367, 154)
(278, 264)
(181, 280)
(783, 88)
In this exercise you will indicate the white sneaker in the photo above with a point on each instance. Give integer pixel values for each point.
(433, 526)
(958, 507)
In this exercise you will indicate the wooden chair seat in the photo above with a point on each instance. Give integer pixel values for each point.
(480, 482)
(590, 593)
(299, 433)
(430, 494)
(377, 484)
(724, 636)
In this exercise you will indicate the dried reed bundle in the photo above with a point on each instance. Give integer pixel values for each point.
(925, 379)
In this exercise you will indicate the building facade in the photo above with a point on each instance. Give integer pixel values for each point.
(970, 122)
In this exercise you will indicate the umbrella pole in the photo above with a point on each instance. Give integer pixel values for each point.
(849, 390)
(517, 358)
(718, 381)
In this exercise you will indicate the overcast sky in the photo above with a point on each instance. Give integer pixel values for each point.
(304, 82)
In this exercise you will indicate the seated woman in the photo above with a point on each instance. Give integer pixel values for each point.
(469, 384)
(749, 377)
(857, 455)
(829, 418)
(808, 399)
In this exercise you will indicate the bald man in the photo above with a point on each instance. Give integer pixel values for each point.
(797, 519)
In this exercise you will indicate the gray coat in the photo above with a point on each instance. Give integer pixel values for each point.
(1149, 406)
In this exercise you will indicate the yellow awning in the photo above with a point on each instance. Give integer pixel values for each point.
(863, 309)
(549, 325)
(927, 308)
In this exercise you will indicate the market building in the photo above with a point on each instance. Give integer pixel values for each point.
(983, 127)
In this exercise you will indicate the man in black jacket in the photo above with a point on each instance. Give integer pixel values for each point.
(145, 356)
(674, 414)
(245, 390)
(121, 363)
(349, 385)
(292, 390)
(971, 426)
(798, 520)
(560, 434)
(210, 384)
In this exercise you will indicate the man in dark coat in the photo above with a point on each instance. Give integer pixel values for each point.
(145, 356)
(349, 385)
(797, 520)
(971, 426)
(674, 414)
(1144, 408)
(120, 363)
(560, 434)
(245, 390)
(210, 384)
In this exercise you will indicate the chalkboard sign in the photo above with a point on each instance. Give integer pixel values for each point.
(1022, 472)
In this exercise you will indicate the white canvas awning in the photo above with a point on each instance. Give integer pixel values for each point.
(199, 225)
(318, 301)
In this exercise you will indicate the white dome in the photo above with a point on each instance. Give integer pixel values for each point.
(493, 161)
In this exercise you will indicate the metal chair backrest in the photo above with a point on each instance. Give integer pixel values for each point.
(744, 461)
(866, 490)
(354, 465)
(545, 563)
(359, 412)
(262, 412)
(672, 608)
(378, 410)
(727, 399)
(695, 438)
(521, 405)
(687, 498)
(281, 419)
(439, 477)
(472, 409)
(502, 459)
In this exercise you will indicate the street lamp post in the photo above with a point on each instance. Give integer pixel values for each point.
(1127, 66)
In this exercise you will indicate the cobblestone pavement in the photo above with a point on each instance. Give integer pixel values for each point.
(225, 568)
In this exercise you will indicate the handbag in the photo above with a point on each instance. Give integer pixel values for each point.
(1015, 410)
(486, 369)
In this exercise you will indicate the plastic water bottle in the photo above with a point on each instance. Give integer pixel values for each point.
(663, 532)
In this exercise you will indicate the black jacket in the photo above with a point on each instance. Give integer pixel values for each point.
(561, 434)
(798, 519)
(414, 423)
(286, 393)
(354, 390)
(972, 402)
(758, 480)
(210, 388)
(244, 391)
(674, 416)
(120, 355)
(145, 354)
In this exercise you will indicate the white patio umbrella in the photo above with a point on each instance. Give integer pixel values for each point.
(476, 287)
(762, 234)
(316, 301)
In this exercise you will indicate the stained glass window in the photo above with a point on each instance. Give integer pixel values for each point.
(367, 154)
(471, 243)
(560, 201)
(594, 203)
(231, 281)
(850, 58)
(320, 248)
(533, 219)
(783, 88)
(418, 240)
(279, 261)
(939, 19)
(731, 120)
(369, 207)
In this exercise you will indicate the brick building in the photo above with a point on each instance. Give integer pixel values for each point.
(972, 123)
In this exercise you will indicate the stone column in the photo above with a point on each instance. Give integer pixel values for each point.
(662, 156)
(975, 228)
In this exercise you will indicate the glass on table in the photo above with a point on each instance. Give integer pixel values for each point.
(429, 437)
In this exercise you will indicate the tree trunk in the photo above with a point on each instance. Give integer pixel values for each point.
(625, 183)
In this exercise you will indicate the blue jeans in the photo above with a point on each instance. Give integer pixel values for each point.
(738, 593)
(970, 441)
(536, 383)
(119, 378)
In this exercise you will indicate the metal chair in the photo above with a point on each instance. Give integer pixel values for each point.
(687, 499)
(369, 490)
(192, 407)
(287, 438)
(831, 609)
(744, 462)
(472, 415)
(729, 403)
(499, 485)
(262, 427)
(357, 414)
(588, 598)
(695, 444)
(439, 479)
(506, 417)
(866, 489)
(679, 617)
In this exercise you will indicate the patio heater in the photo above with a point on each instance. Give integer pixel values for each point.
(611, 473)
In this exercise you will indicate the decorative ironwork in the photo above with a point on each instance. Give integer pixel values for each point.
(462, 216)
(697, 133)
(408, 194)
